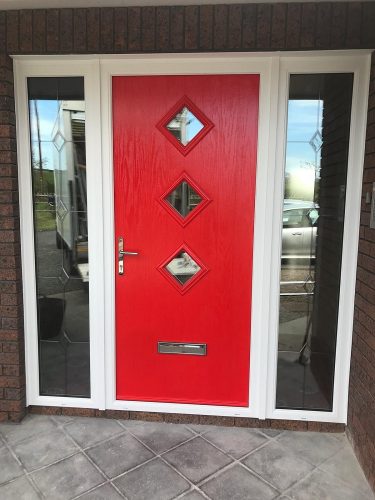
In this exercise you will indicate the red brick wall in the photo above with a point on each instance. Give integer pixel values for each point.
(12, 381)
(361, 418)
(252, 27)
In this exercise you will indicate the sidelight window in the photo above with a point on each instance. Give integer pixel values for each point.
(316, 163)
(58, 157)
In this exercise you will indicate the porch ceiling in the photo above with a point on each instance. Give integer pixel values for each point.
(41, 4)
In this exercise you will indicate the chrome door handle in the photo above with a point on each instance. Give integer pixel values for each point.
(296, 234)
(121, 253)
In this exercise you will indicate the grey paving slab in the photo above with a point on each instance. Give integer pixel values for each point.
(159, 436)
(272, 433)
(44, 449)
(283, 458)
(9, 468)
(193, 495)
(237, 483)
(89, 431)
(68, 478)
(119, 455)
(31, 425)
(197, 459)
(323, 486)
(278, 465)
(345, 466)
(235, 441)
(62, 419)
(314, 447)
(154, 480)
(20, 489)
(200, 429)
(105, 492)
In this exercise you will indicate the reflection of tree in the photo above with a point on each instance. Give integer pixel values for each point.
(38, 162)
(42, 177)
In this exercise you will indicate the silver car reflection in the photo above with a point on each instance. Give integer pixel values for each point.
(299, 229)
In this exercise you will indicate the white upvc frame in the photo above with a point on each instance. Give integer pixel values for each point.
(89, 69)
(274, 70)
(177, 65)
(357, 63)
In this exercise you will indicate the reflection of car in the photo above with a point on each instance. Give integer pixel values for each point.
(299, 229)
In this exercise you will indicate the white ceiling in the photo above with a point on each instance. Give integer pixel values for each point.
(41, 4)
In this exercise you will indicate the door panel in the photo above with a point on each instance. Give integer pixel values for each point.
(185, 165)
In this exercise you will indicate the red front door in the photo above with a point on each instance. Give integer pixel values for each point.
(185, 164)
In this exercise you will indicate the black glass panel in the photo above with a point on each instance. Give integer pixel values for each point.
(318, 128)
(57, 125)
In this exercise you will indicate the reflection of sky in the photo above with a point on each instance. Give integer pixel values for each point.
(304, 120)
(194, 126)
(48, 112)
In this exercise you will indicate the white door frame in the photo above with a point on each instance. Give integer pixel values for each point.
(274, 71)
(175, 65)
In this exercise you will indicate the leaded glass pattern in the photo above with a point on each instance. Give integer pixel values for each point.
(57, 138)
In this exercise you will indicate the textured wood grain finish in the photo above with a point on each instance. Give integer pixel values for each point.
(147, 166)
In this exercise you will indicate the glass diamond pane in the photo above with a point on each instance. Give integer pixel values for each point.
(183, 198)
(316, 141)
(61, 210)
(58, 141)
(182, 267)
(185, 126)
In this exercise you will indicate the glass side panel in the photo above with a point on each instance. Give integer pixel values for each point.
(183, 198)
(316, 164)
(185, 126)
(57, 140)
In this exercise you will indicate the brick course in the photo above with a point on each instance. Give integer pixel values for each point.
(361, 419)
(184, 418)
(246, 27)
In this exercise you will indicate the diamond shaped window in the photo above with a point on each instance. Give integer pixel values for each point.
(58, 141)
(316, 141)
(185, 125)
(61, 210)
(184, 200)
(182, 267)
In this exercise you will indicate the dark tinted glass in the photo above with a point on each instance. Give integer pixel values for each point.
(57, 130)
(318, 128)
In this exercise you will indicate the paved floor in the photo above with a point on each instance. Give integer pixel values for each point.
(65, 458)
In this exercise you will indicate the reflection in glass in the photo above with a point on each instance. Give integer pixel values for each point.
(184, 198)
(185, 126)
(318, 127)
(182, 267)
(57, 129)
